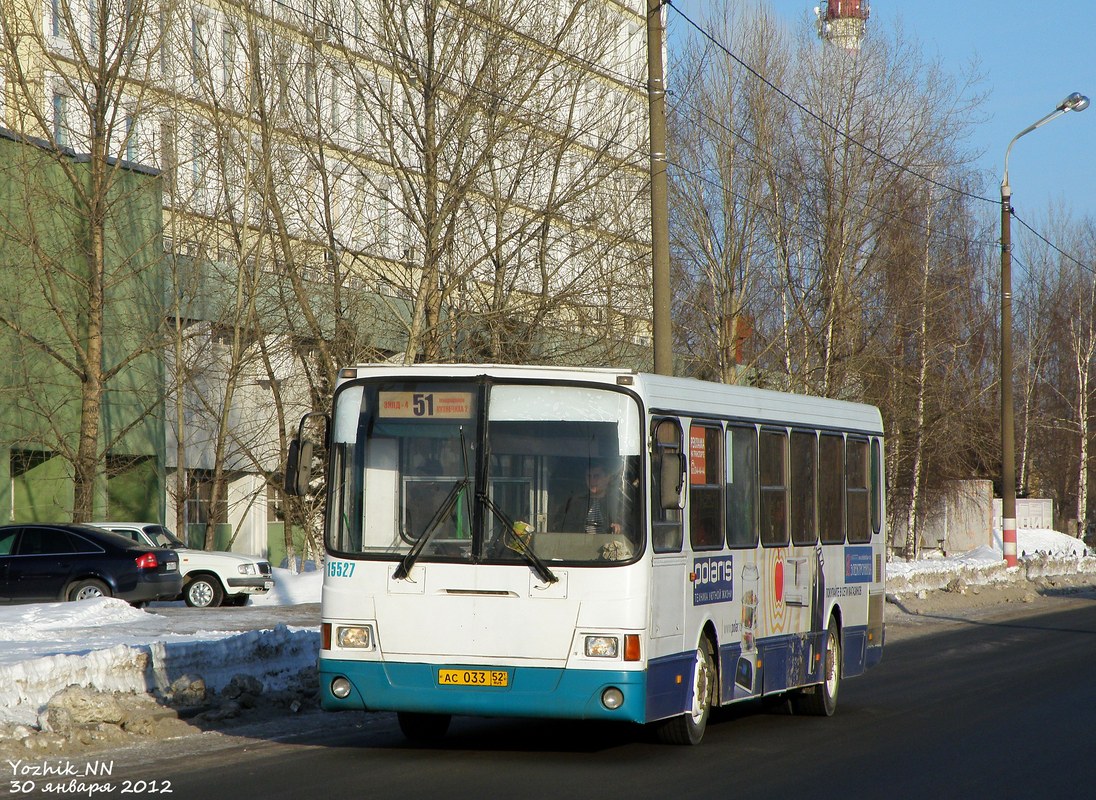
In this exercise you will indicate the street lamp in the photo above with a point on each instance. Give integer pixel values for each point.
(1075, 102)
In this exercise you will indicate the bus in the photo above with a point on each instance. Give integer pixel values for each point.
(595, 544)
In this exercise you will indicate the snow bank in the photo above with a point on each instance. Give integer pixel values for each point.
(107, 644)
(1041, 553)
(276, 657)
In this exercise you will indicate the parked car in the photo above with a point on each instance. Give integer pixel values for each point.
(49, 562)
(210, 577)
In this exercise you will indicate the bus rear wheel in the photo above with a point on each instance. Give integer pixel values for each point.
(820, 700)
(688, 729)
(423, 728)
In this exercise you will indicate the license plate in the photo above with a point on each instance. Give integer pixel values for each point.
(473, 677)
(171, 566)
(268, 584)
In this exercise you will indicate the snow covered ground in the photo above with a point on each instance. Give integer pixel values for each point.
(107, 644)
(1041, 553)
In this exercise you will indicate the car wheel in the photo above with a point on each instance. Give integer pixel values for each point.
(88, 589)
(203, 591)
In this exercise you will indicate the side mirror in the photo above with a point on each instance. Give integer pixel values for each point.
(298, 467)
(672, 480)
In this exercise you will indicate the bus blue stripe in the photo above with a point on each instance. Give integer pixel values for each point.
(533, 691)
(669, 685)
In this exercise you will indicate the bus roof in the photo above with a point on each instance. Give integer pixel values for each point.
(686, 396)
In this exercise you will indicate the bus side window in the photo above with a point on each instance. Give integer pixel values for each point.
(804, 471)
(705, 492)
(667, 475)
(831, 488)
(876, 486)
(774, 487)
(742, 494)
(857, 490)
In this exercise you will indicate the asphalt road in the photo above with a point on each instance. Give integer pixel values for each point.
(1002, 708)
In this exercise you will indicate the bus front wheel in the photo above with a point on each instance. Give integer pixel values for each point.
(423, 728)
(820, 700)
(689, 728)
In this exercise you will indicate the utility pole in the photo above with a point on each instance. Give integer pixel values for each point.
(1075, 102)
(660, 224)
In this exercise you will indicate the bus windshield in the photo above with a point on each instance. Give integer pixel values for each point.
(547, 473)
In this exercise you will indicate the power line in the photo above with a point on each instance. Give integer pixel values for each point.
(830, 126)
(1052, 246)
(758, 160)
(867, 148)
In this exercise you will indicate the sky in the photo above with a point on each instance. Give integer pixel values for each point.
(1031, 54)
(45, 647)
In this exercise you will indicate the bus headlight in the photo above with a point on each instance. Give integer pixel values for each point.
(358, 637)
(602, 646)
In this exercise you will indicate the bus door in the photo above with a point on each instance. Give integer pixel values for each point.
(666, 695)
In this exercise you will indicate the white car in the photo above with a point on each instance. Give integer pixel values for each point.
(210, 578)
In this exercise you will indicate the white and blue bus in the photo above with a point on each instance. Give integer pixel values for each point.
(593, 544)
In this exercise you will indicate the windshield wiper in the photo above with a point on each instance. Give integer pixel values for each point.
(520, 543)
(403, 571)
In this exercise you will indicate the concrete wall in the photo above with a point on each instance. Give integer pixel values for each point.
(966, 514)
(962, 518)
(1030, 513)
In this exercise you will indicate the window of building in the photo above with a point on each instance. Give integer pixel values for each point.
(61, 134)
(58, 27)
(131, 138)
(200, 508)
(228, 65)
(199, 47)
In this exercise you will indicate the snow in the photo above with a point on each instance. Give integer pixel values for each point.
(1041, 553)
(109, 645)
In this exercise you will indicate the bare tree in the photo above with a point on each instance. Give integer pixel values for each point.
(826, 218)
(1062, 463)
(720, 189)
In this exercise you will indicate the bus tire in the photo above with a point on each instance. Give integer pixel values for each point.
(688, 729)
(820, 700)
(423, 728)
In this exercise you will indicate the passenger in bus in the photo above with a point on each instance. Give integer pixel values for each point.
(599, 508)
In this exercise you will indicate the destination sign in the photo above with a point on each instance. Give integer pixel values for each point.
(426, 405)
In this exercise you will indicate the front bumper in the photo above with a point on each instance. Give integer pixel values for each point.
(252, 585)
(531, 691)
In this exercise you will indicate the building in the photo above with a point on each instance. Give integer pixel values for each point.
(45, 283)
(348, 181)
